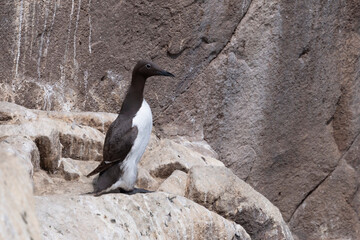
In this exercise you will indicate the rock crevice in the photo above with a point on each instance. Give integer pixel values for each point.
(180, 177)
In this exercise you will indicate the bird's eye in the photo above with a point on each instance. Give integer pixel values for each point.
(148, 66)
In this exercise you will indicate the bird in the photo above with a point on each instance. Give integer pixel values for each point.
(128, 136)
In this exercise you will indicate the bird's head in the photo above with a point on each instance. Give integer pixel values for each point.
(148, 69)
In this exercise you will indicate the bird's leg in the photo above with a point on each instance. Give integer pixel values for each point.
(97, 194)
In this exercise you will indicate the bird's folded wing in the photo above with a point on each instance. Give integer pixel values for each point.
(116, 147)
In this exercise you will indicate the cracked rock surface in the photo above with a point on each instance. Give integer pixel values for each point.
(218, 189)
(272, 86)
(63, 210)
(141, 216)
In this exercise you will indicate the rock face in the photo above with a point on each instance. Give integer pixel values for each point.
(340, 220)
(280, 104)
(72, 54)
(18, 217)
(180, 176)
(269, 99)
(272, 86)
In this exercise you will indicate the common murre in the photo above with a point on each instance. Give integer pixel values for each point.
(128, 136)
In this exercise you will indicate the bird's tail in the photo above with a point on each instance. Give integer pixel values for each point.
(103, 166)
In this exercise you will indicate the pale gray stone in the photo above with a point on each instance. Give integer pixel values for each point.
(219, 190)
(118, 216)
(175, 183)
(18, 218)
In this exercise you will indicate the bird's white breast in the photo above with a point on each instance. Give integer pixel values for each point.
(143, 122)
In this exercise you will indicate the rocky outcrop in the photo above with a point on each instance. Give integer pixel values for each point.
(175, 183)
(179, 176)
(168, 155)
(218, 189)
(272, 86)
(55, 136)
(18, 217)
(142, 216)
(269, 98)
(280, 104)
(24, 149)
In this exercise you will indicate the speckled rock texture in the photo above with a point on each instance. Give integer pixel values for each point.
(64, 209)
(17, 213)
(141, 216)
(272, 86)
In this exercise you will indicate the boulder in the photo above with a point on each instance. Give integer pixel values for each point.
(50, 149)
(219, 190)
(200, 146)
(66, 149)
(167, 156)
(83, 168)
(175, 183)
(57, 134)
(18, 218)
(98, 120)
(43, 134)
(69, 171)
(146, 181)
(81, 142)
(11, 113)
(119, 216)
(25, 149)
(43, 183)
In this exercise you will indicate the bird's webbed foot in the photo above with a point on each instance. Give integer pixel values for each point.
(119, 190)
(135, 191)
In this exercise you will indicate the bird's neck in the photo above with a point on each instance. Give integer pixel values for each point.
(134, 96)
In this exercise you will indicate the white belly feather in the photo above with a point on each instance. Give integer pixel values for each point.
(143, 122)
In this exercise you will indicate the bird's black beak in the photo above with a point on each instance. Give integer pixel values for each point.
(165, 73)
